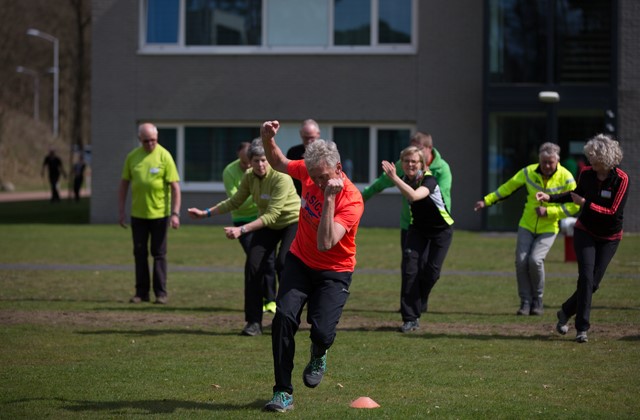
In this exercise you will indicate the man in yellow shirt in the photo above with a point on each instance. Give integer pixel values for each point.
(155, 203)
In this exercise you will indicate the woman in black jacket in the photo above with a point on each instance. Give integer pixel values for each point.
(602, 193)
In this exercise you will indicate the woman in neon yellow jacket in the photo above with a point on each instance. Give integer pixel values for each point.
(538, 225)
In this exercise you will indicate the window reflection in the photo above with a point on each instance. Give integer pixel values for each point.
(220, 22)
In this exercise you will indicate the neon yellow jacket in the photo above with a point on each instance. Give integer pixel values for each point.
(531, 178)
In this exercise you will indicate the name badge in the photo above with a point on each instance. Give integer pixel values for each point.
(605, 194)
(265, 196)
(154, 170)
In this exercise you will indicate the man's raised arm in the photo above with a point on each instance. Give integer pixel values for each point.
(274, 155)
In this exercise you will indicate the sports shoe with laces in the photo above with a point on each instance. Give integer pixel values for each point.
(537, 307)
(581, 337)
(525, 308)
(562, 326)
(281, 402)
(252, 329)
(409, 326)
(315, 369)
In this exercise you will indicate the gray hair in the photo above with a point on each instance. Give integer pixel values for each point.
(550, 149)
(604, 150)
(321, 152)
(256, 149)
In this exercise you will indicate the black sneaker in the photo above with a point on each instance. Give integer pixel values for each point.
(281, 402)
(410, 326)
(315, 369)
(252, 329)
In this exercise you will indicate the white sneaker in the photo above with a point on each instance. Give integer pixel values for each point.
(562, 326)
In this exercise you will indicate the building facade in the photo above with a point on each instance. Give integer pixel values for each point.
(371, 72)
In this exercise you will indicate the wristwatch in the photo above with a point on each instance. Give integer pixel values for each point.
(243, 230)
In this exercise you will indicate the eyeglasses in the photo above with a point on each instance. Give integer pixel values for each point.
(147, 141)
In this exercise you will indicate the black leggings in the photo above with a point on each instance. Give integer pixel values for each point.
(593, 255)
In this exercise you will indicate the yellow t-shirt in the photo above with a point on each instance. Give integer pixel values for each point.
(150, 175)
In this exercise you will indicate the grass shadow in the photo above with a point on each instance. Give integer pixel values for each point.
(67, 212)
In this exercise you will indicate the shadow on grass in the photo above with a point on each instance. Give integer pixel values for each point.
(144, 407)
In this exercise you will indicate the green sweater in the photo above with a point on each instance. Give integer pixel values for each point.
(440, 170)
(274, 194)
(231, 177)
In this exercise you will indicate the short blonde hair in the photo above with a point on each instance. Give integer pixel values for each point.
(604, 150)
(411, 150)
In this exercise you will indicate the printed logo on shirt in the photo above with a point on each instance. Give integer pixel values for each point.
(312, 206)
(154, 170)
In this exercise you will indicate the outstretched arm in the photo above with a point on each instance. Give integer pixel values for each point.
(274, 155)
(409, 193)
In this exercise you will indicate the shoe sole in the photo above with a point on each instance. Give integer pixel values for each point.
(278, 409)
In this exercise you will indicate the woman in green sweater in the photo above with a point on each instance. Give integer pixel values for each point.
(279, 205)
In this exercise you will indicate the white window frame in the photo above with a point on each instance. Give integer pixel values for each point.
(375, 48)
(218, 186)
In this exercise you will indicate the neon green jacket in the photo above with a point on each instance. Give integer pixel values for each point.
(440, 170)
(531, 178)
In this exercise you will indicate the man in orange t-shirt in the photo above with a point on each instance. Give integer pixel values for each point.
(320, 261)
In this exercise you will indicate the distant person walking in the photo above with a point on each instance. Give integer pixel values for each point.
(78, 176)
(155, 203)
(54, 164)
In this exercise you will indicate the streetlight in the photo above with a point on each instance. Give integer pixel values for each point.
(36, 89)
(55, 70)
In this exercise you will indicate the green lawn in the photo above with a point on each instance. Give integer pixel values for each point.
(72, 347)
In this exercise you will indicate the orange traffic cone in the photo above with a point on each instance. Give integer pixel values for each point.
(364, 402)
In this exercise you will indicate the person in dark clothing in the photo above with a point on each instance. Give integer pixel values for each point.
(429, 235)
(54, 164)
(602, 193)
(78, 176)
(309, 132)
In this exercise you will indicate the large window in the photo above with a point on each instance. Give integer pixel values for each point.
(277, 26)
(202, 152)
(550, 41)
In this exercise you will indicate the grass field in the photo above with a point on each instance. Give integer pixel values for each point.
(72, 347)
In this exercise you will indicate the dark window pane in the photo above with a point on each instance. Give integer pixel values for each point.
(353, 144)
(514, 140)
(168, 138)
(352, 22)
(220, 22)
(162, 21)
(517, 41)
(209, 149)
(394, 26)
(583, 41)
(390, 144)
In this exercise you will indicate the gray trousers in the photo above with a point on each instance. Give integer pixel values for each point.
(531, 250)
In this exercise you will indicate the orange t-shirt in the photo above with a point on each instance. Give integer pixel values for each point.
(348, 211)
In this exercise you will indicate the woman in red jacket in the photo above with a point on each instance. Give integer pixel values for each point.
(602, 193)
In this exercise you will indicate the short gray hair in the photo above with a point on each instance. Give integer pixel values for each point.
(321, 152)
(604, 150)
(549, 149)
(256, 149)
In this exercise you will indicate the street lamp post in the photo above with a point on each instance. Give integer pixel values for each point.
(36, 89)
(55, 70)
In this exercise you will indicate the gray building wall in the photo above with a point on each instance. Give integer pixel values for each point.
(439, 90)
(629, 106)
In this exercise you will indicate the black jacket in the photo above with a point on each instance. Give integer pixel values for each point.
(602, 213)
